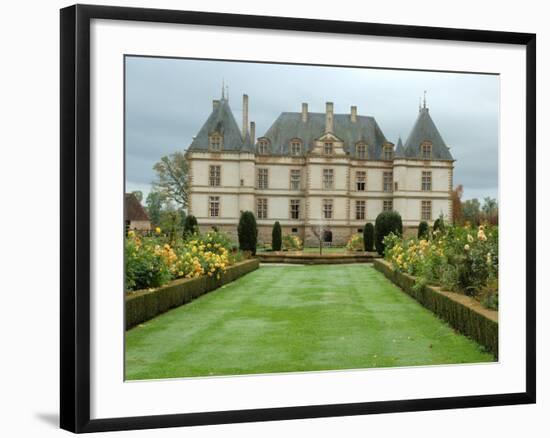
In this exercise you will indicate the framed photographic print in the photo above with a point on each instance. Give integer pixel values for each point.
(270, 218)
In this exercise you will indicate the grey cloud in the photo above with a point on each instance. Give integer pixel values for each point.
(168, 100)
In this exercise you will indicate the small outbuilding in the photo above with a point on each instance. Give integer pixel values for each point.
(135, 216)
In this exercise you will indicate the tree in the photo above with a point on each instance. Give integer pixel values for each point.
(276, 237)
(368, 237)
(172, 178)
(319, 232)
(138, 194)
(248, 232)
(439, 224)
(154, 204)
(471, 211)
(190, 226)
(423, 230)
(386, 222)
(490, 210)
(456, 198)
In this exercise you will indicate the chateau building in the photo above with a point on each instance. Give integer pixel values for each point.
(316, 172)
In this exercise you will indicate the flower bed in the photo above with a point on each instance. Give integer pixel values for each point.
(146, 304)
(355, 243)
(463, 313)
(154, 261)
(459, 259)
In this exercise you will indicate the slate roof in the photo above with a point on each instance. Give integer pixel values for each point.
(399, 149)
(289, 125)
(221, 120)
(133, 210)
(425, 130)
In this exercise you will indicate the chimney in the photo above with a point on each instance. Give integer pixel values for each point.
(329, 124)
(245, 114)
(304, 112)
(354, 114)
(253, 132)
(215, 104)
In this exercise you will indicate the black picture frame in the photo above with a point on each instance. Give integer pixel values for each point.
(75, 217)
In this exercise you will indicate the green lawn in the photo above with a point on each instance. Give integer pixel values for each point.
(295, 318)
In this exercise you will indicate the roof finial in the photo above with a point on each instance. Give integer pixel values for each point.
(227, 91)
(424, 99)
(223, 89)
(419, 104)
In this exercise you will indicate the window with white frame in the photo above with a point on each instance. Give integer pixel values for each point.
(295, 147)
(426, 211)
(294, 209)
(328, 179)
(216, 142)
(214, 176)
(426, 181)
(388, 152)
(360, 180)
(261, 208)
(263, 147)
(361, 151)
(295, 179)
(327, 208)
(328, 148)
(262, 179)
(387, 183)
(214, 206)
(360, 209)
(426, 150)
(388, 205)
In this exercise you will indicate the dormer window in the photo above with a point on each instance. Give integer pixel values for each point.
(263, 146)
(361, 151)
(388, 152)
(216, 142)
(328, 148)
(295, 147)
(426, 150)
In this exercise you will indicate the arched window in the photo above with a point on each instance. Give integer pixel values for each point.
(426, 150)
(295, 147)
(263, 146)
(361, 151)
(216, 141)
(388, 152)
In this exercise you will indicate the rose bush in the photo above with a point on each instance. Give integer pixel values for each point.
(152, 262)
(460, 259)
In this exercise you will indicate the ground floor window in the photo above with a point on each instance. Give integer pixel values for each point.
(388, 205)
(295, 230)
(426, 213)
(214, 206)
(261, 210)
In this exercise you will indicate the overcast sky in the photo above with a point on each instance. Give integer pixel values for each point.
(168, 100)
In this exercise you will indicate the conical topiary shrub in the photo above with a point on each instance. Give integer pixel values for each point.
(276, 237)
(248, 232)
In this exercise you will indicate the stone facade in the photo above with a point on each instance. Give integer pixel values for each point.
(316, 171)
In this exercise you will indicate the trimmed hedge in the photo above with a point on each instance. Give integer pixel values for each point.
(368, 237)
(276, 237)
(144, 305)
(248, 232)
(462, 313)
(386, 222)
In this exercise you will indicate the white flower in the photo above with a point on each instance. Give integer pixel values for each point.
(466, 247)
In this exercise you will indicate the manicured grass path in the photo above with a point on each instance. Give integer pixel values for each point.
(295, 318)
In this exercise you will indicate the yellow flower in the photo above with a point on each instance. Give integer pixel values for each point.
(470, 238)
(157, 230)
(131, 233)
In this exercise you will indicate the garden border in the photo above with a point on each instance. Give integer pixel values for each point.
(463, 313)
(143, 305)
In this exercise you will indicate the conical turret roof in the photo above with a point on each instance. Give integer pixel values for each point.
(424, 130)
